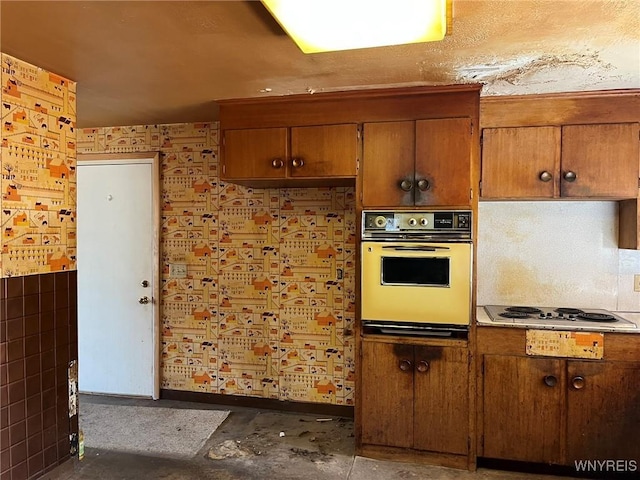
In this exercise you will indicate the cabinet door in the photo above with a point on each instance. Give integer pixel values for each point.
(388, 160)
(387, 394)
(324, 151)
(255, 153)
(443, 159)
(604, 159)
(514, 161)
(441, 404)
(603, 411)
(522, 413)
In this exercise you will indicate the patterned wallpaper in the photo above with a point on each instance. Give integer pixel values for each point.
(37, 159)
(268, 307)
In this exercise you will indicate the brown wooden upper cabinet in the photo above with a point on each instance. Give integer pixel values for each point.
(311, 152)
(417, 163)
(571, 161)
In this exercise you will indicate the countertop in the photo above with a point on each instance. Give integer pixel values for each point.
(483, 319)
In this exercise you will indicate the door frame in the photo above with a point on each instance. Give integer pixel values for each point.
(152, 158)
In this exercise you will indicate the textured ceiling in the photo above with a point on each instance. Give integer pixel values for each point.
(165, 62)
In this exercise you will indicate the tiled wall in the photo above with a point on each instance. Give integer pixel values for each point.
(38, 337)
(268, 306)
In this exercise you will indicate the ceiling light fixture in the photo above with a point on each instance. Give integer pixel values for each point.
(330, 25)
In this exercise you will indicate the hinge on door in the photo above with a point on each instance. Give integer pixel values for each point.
(224, 168)
(361, 196)
(471, 194)
(481, 137)
(638, 182)
(471, 132)
(480, 187)
(357, 165)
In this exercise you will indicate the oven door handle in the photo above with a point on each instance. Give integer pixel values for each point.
(415, 249)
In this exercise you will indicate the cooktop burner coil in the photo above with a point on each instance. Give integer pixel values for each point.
(568, 311)
(522, 310)
(511, 314)
(597, 317)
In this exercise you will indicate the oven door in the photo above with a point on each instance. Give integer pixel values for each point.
(416, 282)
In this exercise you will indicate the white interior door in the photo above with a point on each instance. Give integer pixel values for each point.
(115, 257)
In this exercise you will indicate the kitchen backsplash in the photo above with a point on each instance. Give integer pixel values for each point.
(268, 307)
(555, 253)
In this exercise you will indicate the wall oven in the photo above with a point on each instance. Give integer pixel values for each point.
(416, 271)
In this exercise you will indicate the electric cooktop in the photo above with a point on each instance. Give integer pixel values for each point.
(558, 318)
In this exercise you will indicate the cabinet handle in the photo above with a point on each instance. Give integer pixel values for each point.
(570, 176)
(297, 162)
(277, 163)
(405, 365)
(577, 382)
(550, 381)
(423, 366)
(545, 176)
(423, 184)
(406, 185)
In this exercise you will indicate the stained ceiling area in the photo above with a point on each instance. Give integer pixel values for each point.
(150, 62)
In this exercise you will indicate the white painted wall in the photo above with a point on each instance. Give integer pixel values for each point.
(559, 253)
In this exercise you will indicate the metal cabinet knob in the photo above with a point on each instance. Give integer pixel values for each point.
(550, 381)
(545, 176)
(297, 162)
(144, 283)
(423, 366)
(277, 163)
(578, 382)
(570, 176)
(423, 184)
(405, 365)
(143, 300)
(406, 185)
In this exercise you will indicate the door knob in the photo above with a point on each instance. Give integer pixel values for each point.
(143, 300)
(570, 176)
(405, 365)
(406, 185)
(550, 381)
(277, 163)
(423, 366)
(423, 185)
(577, 382)
(144, 283)
(545, 176)
(297, 162)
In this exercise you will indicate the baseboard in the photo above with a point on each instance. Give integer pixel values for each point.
(256, 402)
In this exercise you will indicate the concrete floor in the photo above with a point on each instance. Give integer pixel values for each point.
(248, 446)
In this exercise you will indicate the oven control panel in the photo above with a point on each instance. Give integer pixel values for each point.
(416, 224)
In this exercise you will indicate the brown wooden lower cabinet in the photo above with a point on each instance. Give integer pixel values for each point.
(521, 412)
(558, 410)
(415, 396)
(603, 410)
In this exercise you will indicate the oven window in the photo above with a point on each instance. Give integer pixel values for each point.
(427, 271)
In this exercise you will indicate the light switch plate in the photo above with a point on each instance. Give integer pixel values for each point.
(178, 270)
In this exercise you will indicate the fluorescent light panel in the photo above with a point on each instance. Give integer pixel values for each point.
(329, 25)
